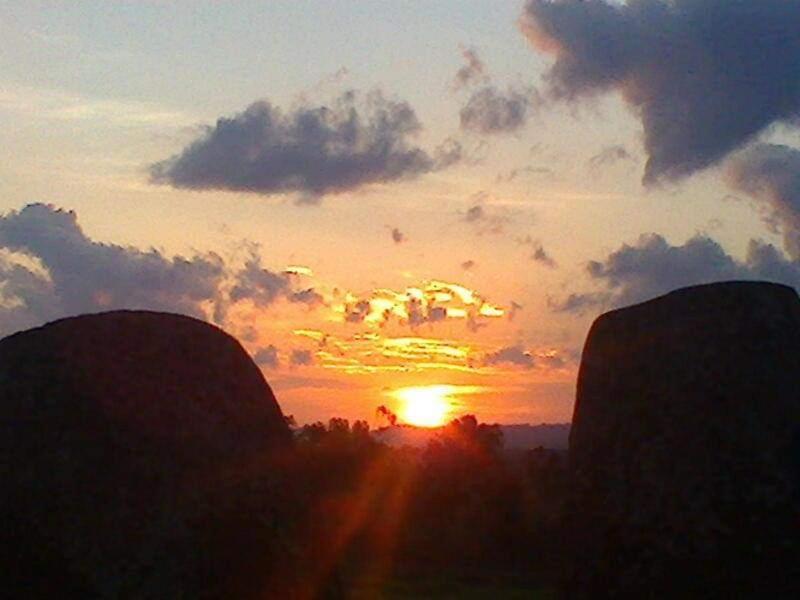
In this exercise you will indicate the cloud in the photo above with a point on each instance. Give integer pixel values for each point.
(538, 253)
(55, 270)
(490, 111)
(578, 303)
(484, 217)
(474, 213)
(308, 296)
(770, 174)
(49, 269)
(263, 287)
(529, 170)
(518, 356)
(551, 359)
(398, 237)
(259, 285)
(610, 155)
(370, 352)
(301, 358)
(310, 151)
(298, 270)
(421, 310)
(474, 71)
(267, 357)
(652, 267)
(450, 152)
(541, 256)
(704, 76)
(514, 355)
(358, 311)
(433, 302)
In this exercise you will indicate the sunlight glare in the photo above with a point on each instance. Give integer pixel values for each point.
(425, 406)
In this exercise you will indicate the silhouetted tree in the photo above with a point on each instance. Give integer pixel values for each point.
(460, 507)
(386, 413)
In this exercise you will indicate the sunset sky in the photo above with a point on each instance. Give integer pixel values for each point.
(375, 195)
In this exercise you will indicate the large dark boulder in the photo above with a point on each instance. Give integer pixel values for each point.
(136, 460)
(683, 448)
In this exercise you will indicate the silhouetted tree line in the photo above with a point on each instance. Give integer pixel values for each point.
(339, 514)
(461, 508)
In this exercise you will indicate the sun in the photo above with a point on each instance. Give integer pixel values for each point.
(425, 406)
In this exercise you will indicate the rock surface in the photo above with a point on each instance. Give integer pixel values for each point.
(684, 447)
(128, 446)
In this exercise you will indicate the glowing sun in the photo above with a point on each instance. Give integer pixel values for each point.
(425, 406)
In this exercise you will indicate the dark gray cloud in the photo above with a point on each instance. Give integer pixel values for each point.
(610, 155)
(514, 309)
(310, 151)
(450, 152)
(301, 358)
(514, 355)
(259, 285)
(490, 110)
(538, 253)
(474, 213)
(419, 312)
(579, 302)
(704, 76)
(541, 256)
(262, 287)
(358, 311)
(267, 357)
(484, 217)
(56, 270)
(28, 297)
(770, 174)
(398, 237)
(652, 267)
(308, 296)
(473, 71)
(49, 269)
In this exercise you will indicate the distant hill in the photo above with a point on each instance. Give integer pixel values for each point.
(554, 436)
(550, 435)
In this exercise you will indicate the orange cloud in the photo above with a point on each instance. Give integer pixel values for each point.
(431, 302)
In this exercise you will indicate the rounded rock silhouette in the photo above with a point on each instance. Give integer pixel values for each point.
(681, 448)
(132, 444)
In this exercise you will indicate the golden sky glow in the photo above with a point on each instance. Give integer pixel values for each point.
(436, 365)
(442, 279)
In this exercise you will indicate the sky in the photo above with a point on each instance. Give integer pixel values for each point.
(376, 196)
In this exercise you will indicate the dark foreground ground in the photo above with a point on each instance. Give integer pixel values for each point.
(445, 588)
